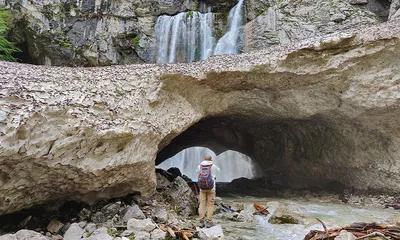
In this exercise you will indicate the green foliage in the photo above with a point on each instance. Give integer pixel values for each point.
(135, 40)
(64, 43)
(131, 237)
(7, 48)
(189, 14)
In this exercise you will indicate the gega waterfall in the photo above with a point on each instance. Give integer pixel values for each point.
(189, 36)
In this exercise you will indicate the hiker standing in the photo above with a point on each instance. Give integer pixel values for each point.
(207, 172)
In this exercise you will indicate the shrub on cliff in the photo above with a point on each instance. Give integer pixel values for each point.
(7, 48)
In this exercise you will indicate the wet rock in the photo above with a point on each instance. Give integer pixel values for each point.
(283, 216)
(158, 234)
(54, 226)
(132, 212)
(214, 232)
(145, 225)
(74, 232)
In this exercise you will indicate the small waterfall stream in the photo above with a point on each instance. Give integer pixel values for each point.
(232, 164)
(189, 36)
(228, 44)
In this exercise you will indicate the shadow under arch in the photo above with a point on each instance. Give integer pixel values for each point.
(233, 164)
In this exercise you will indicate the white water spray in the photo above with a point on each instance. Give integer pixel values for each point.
(232, 164)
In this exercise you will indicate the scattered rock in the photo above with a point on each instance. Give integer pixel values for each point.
(74, 232)
(160, 215)
(98, 217)
(84, 214)
(142, 235)
(91, 227)
(54, 226)
(132, 212)
(145, 225)
(158, 234)
(111, 209)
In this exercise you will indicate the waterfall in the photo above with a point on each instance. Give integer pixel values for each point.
(232, 164)
(185, 37)
(228, 44)
(188, 36)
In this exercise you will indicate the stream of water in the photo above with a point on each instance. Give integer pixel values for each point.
(333, 215)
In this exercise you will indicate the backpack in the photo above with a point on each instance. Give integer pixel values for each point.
(205, 181)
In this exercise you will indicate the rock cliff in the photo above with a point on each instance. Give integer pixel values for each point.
(313, 113)
(100, 32)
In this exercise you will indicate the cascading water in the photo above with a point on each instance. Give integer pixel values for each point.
(232, 164)
(228, 44)
(188, 36)
(185, 37)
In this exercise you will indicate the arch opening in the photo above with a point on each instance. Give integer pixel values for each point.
(320, 152)
(232, 164)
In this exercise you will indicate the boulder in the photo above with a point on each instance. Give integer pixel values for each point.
(74, 232)
(158, 234)
(132, 212)
(23, 235)
(284, 216)
(54, 226)
(145, 225)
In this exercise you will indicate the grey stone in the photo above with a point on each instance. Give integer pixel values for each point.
(132, 212)
(54, 226)
(160, 215)
(142, 235)
(111, 209)
(145, 225)
(90, 227)
(101, 236)
(29, 234)
(158, 234)
(84, 214)
(98, 217)
(74, 232)
(338, 17)
(99, 231)
(358, 2)
(127, 233)
(8, 237)
(82, 224)
(214, 232)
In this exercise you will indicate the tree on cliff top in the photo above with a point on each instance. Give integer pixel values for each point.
(7, 48)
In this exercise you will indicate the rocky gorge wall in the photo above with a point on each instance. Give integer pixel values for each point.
(100, 32)
(313, 113)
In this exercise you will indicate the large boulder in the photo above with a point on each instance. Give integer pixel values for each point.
(319, 111)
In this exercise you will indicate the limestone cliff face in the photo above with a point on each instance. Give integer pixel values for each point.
(100, 32)
(311, 114)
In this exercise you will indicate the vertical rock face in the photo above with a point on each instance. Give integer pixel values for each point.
(290, 21)
(100, 32)
(319, 111)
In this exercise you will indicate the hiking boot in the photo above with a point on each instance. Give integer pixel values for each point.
(209, 224)
(202, 224)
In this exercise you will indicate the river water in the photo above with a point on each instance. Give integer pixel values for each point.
(332, 214)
